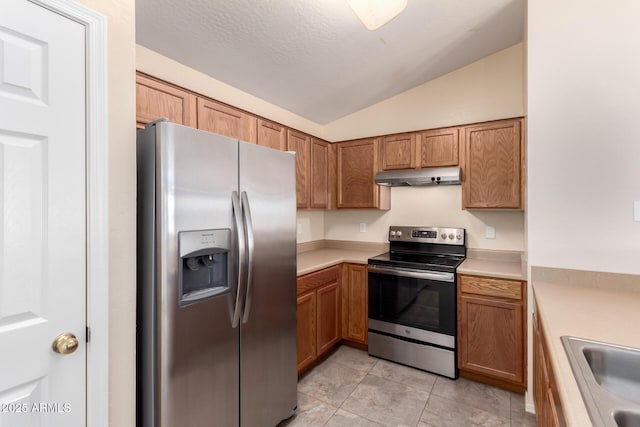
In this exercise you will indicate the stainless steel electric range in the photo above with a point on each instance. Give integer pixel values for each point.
(412, 298)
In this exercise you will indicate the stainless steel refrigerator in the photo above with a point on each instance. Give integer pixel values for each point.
(216, 280)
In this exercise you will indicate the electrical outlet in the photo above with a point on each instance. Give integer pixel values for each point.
(299, 228)
(490, 232)
(636, 211)
(363, 227)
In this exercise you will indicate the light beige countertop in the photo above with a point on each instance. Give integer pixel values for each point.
(491, 263)
(314, 256)
(595, 306)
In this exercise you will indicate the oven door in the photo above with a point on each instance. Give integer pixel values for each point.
(419, 299)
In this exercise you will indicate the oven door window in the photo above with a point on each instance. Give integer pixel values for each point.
(420, 303)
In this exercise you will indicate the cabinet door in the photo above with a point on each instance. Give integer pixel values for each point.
(328, 300)
(398, 151)
(301, 144)
(539, 380)
(306, 329)
(439, 148)
(224, 120)
(156, 99)
(491, 337)
(355, 322)
(357, 162)
(492, 166)
(319, 185)
(272, 135)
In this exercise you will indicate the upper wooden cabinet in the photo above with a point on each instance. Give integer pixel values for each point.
(313, 166)
(398, 151)
(356, 168)
(439, 148)
(492, 169)
(272, 135)
(319, 183)
(228, 121)
(155, 100)
(301, 144)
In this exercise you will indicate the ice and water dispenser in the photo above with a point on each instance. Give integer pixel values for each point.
(204, 264)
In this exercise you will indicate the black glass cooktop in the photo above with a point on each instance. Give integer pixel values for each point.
(420, 261)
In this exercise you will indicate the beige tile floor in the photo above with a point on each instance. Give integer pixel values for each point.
(352, 389)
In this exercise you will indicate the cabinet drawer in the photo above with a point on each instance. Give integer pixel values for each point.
(491, 287)
(318, 278)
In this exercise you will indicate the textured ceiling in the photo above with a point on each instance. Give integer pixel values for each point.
(314, 57)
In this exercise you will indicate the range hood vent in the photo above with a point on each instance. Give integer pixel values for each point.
(418, 177)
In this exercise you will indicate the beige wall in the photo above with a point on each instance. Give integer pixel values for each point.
(491, 88)
(122, 207)
(488, 89)
(310, 226)
(164, 68)
(584, 153)
(429, 206)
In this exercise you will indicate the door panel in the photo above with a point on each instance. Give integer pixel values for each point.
(224, 120)
(198, 348)
(301, 144)
(268, 337)
(306, 329)
(42, 215)
(328, 323)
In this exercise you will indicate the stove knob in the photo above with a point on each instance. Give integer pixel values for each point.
(459, 237)
(451, 236)
(444, 236)
(399, 233)
(393, 233)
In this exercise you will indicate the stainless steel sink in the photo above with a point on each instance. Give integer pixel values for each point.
(627, 418)
(608, 376)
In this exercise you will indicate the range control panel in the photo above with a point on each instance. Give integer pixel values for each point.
(442, 235)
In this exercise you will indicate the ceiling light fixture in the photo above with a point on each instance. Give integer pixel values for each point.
(375, 13)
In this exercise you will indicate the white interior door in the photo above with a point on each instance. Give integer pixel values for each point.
(42, 216)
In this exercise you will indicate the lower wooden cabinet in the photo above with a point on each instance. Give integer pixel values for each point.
(318, 314)
(328, 304)
(545, 394)
(492, 331)
(355, 303)
(306, 329)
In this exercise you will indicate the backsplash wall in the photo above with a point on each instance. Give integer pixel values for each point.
(433, 206)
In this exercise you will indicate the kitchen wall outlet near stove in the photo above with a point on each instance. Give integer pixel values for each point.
(363, 227)
(490, 232)
(636, 211)
(299, 228)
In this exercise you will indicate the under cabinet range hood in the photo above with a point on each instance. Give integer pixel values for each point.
(418, 177)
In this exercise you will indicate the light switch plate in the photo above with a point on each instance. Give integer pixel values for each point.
(490, 232)
(363, 227)
(299, 228)
(636, 211)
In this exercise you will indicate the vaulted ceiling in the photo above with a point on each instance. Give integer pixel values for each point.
(314, 57)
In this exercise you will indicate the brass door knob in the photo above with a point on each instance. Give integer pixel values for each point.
(65, 343)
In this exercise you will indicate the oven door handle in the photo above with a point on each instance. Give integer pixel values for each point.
(417, 274)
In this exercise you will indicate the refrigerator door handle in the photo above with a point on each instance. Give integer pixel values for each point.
(246, 211)
(237, 216)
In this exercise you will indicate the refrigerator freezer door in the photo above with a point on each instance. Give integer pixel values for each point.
(197, 345)
(268, 375)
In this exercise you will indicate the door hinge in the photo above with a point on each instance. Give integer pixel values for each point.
(88, 335)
